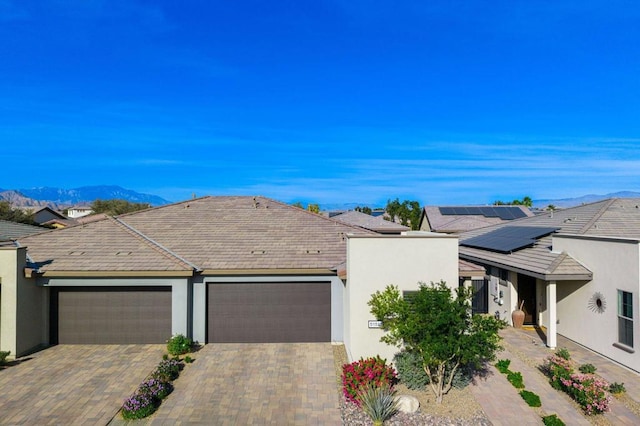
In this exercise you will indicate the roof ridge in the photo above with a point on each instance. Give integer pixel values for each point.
(154, 244)
(177, 203)
(312, 214)
(556, 262)
(597, 216)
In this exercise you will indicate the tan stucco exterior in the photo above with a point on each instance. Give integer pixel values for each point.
(373, 262)
(615, 263)
(23, 305)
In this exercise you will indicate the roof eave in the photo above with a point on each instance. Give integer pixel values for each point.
(536, 274)
(265, 271)
(113, 274)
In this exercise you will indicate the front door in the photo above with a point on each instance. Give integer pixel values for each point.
(527, 293)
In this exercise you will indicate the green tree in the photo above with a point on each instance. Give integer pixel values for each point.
(116, 207)
(313, 208)
(407, 212)
(436, 324)
(15, 215)
(526, 201)
(365, 210)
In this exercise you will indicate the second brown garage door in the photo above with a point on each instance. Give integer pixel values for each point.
(110, 315)
(268, 312)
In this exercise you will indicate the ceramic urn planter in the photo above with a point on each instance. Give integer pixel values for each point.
(517, 317)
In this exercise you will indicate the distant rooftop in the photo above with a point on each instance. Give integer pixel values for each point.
(372, 223)
(456, 219)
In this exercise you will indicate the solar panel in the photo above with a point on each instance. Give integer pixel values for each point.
(446, 211)
(509, 238)
(504, 213)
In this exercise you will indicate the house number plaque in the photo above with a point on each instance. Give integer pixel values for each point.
(375, 324)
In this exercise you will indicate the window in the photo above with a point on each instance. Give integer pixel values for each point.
(409, 295)
(479, 303)
(625, 318)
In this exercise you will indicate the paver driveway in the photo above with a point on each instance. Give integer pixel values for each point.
(74, 384)
(241, 384)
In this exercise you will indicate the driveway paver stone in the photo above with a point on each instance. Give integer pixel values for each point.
(259, 384)
(74, 384)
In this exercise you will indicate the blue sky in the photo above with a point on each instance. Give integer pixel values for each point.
(444, 102)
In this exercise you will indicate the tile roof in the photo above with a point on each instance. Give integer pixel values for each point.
(209, 233)
(372, 223)
(618, 217)
(13, 230)
(451, 223)
(104, 245)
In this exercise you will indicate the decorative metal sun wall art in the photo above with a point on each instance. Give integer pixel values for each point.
(597, 303)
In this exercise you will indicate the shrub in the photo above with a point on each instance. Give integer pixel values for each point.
(617, 388)
(3, 357)
(532, 399)
(165, 356)
(179, 344)
(188, 359)
(503, 365)
(587, 368)
(462, 377)
(139, 406)
(410, 370)
(167, 370)
(359, 374)
(155, 388)
(564, 353)
(515, 378)
(589, 391)
(378, 402)
(552, 420)
(558, 368)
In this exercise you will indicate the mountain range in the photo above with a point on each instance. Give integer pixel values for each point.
(58, 198)
(585, 199)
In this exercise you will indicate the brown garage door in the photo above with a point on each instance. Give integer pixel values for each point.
(110, 315)
(268, 312)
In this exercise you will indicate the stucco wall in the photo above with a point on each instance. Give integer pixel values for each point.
(504, 305)
(8, 296)
(23, 315)
(373, 262)
(616, 266)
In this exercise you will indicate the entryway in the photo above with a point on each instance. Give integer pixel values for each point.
(527, 293)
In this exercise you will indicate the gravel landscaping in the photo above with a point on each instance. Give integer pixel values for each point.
(458, 407)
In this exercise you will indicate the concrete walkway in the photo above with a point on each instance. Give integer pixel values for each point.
(258, 384)
(527, 351)
(73, 384)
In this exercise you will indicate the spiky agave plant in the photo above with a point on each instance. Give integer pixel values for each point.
(378, 402)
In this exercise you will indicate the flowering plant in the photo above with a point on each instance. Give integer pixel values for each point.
(363, 373)
(558, 368)
(157, 389)
(588, 390)
(139, 406)
(167, 370)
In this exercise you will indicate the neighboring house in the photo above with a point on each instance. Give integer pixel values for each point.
(218, 269)
(456, 219)
(47, 215)
(79, 211)
(372, 223)
(576, 272)
(14, 230)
